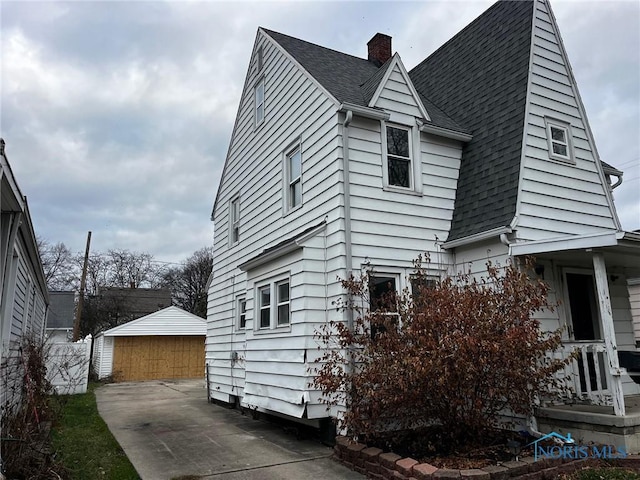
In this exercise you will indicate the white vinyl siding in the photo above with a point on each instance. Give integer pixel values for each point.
(559, 195)
(396, 97)
(255, 166)
(391, 226)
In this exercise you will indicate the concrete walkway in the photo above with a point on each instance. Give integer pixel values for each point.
(169, 430)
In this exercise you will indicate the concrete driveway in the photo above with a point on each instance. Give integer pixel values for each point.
(169, 430)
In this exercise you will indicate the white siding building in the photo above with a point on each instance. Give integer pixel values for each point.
(481, 152)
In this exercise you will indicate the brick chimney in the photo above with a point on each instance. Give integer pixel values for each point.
(379, 48)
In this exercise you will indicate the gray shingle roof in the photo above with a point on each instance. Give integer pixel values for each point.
(339, 73)
(474, 83)
(479, 78)
(349, 79)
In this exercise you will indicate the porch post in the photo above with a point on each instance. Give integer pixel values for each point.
(608, 332)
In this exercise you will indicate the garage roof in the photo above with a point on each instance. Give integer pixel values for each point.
(168, 321)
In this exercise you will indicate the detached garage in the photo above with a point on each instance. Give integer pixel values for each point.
(162, 345)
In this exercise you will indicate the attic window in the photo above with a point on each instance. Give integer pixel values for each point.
(559, 140)
(259, 102)
(259, 60)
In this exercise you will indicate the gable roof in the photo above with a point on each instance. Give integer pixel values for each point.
(168, 321)
(348, 78)
(479, 78)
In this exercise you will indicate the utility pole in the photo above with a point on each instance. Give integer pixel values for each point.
(83, 282)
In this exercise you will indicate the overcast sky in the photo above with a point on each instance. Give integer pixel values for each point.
(117, 115)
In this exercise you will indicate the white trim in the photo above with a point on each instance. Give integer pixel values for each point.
(272, 285)
(366, 112)
(238, 300)
(550, 123)
(234, 222)
(259, 82)
(396, 60)
(415, 160)
(564, 243)
(295, 146)
(446, 133)
(477, 237)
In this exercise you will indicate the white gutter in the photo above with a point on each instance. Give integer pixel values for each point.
(347, 207)
(564, 243)
(477, 237)
(445, 132)
(361, 111)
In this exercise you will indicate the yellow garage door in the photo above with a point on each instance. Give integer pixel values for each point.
(157, 357)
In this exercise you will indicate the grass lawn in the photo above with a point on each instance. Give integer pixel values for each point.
(84, 443)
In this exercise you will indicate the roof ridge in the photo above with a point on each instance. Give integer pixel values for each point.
(316, 45)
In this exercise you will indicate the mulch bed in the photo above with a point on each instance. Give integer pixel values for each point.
(427, 446)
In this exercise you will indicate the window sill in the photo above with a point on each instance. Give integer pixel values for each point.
(273, 331)
(292, 210)
(570, 161)
(406, 191)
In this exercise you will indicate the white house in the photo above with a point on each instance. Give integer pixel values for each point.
(168, 343)
(23, 290)
(481, 152)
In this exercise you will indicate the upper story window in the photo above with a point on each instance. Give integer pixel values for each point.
(274, 304)
(259, 60)
(259, 102)
(399, 168)
(294, 178)
(234, 220)
(559, 140)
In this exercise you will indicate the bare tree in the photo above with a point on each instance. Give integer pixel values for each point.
(60, 270)
(188, 284)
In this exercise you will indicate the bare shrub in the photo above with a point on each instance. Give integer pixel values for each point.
(456, 354)
(27, 412)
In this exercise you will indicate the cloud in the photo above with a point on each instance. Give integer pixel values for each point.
(117, 115)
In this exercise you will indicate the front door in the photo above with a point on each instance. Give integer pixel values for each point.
(583, 307)
(584, 326)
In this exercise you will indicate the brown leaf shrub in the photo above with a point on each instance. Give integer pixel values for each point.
(456, 354)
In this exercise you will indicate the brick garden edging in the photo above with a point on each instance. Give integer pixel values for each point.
(376, 464)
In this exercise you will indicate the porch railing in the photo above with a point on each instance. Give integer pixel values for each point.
(588, 371)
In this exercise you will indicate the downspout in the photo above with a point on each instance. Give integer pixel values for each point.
(347, 210)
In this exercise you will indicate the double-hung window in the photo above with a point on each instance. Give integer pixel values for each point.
(234, 221)
(274, 305)
(398, 157)
(294, 178)
(264, 294)
(242, 312)
(259, 102)
(559, 140)
(382, 302)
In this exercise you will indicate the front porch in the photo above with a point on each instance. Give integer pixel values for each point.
(588, 276)
(595, 423)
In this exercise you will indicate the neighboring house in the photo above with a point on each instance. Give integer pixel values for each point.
(481, 152)
(164, 344)
(23, 290)
(126, 304)
(61, 316)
